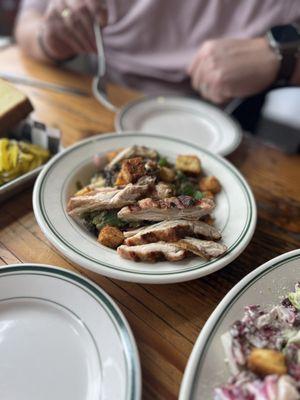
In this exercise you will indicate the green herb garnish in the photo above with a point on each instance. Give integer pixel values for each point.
(198, 195)
(181, 176)
(101, 218)
(187, 189)
(163, 162)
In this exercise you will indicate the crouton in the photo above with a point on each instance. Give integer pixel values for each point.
(188, 164)
(208, 219)
(83, 191)
(112, 154)
(208, 194)
(167, 174)
(111, 236)
(120, 181)
(267, 362)
(131, 170)
(209, 183)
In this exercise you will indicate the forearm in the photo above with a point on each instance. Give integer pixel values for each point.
(27, 30)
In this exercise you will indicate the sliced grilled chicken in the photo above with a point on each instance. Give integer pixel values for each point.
(152, 252)
(182, 207)
(105, 198)
(162, 190)
(171, 231)
(203, 248)
(147, 180)
(133, 151)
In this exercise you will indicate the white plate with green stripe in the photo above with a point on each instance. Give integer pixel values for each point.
(181, 117)
(62, 337)
(206, 368)
(235, 214)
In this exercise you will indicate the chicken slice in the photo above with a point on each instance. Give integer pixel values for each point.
(152, 252)
(204, 248)
(105, 198)
(171, 231)
(162, 190)
(182, 207)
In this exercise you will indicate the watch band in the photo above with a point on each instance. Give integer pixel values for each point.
(284, 40)
(287, 66)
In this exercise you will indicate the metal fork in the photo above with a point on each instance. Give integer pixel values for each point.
(99, 81)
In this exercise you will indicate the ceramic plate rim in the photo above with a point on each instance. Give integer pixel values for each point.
(119, 126)
(106, 301)
(107, 270)
(199, 349)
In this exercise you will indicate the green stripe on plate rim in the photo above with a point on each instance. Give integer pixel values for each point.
(228, 306)
(101, 263)
(102, 299)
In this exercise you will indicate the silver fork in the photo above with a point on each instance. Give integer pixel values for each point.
(99, 82)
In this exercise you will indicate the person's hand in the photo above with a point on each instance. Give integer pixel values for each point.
(227, 68)
(67, 27)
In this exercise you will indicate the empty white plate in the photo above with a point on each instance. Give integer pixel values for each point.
(206, 368)
(182, 118)
(63, 338)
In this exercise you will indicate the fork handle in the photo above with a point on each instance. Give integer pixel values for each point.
(100, 49)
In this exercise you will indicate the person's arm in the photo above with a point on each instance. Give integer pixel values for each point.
(27, 29)
(224, 69)
(64, 30)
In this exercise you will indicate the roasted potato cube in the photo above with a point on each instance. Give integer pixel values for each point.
(131, 170)
(110, 236)
(266, 362)
(167, 174)
(188, 164)
(209, 183)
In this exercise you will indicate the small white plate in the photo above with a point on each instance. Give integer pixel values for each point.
(206, 368)
(235, 212)
(182, 117)
(63, 338)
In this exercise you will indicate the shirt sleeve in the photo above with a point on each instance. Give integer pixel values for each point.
(294, 14)
(37, 5)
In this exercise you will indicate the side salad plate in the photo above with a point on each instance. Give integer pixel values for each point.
(249, 347)
(62, 337)
(112, 200)
(195, 120)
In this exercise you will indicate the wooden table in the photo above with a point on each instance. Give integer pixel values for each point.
(165, 319)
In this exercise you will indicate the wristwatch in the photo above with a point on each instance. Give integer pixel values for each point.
(284, 40)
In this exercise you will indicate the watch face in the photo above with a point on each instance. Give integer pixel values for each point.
(285, 34)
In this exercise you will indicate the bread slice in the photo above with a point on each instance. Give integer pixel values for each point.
(14, 106)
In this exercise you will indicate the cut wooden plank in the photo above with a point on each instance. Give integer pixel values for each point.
(7, 257)
(14, 106)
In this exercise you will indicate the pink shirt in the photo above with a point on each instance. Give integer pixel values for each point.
(150, 43)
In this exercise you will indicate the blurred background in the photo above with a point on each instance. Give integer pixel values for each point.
(8, 12)
(273, 116)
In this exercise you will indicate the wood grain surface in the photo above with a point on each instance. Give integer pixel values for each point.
(165, 319)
